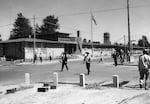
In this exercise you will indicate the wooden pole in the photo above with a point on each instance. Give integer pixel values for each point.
(34, 33)
(129, 40)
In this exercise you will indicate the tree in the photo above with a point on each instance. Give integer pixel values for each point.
(143, 42)
(89, 41)
(0, 38)
(116, 43)
(22, 27)
(84, 40)
(50, 25)
(37, 29)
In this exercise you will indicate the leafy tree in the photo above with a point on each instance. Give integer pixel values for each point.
(120, 44)
(143, 42)
(37, 29)
(0, 38)
(84, 40)
(50, 25)
(89, 41)
(115, 43)
(21, 28)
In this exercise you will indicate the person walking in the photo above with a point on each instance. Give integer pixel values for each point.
(50, 57)
(87, 61)
(101, 57)
(115, 55)
(40, 56)
(143, 66)
(64, 61)
(121, 56)
(35, 58)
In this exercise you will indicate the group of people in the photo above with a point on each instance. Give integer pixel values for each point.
(87, 61)
(143, 67)
(40, 58)
(143, 64)
(122, 55)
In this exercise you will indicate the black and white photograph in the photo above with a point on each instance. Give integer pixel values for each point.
(74, 51)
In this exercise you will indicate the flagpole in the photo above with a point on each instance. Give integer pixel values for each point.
(34, 36)
(91, 33)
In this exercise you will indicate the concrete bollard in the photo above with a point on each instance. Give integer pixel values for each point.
(27, 79)
(82, 80)
(116, 81)
(12, 90)
(55, 79)
(42, 89)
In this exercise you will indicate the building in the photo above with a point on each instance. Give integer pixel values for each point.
(107, 38)
(22, 48)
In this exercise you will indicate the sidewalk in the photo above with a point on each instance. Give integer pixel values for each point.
(45, 62)
(78, 58)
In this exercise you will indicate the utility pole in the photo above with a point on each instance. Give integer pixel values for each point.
(124, 43)
(34, 36)
(129, 40)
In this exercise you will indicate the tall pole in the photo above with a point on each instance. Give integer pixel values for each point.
(124, 43)
(34, 36)
(129, 40)
(91, 34)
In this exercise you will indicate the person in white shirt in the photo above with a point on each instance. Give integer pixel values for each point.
(87, 60)
(143, 66)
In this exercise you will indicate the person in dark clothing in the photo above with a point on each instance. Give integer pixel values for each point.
(50, 57)
(87, 60)
(128, 56)
(115, 58)
(35, 58)
(64, 61)
(40, 56)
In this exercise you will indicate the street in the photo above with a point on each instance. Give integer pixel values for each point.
(43, 73)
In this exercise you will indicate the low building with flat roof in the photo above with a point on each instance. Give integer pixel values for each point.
(23, 48)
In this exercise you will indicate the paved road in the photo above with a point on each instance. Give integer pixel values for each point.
(43, 73)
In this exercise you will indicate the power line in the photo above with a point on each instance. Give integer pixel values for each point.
(139, 6)
(95, 11)
(69, 27)
(98, 11)
(119, 39)
(5, 25)
(82, 13)
(105, 10)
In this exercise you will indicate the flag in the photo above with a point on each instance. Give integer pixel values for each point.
(93, 19)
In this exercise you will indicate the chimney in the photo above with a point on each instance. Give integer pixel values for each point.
(78, 33)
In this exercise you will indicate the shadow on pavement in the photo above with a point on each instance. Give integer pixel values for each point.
(72, 83)
(135, 87)
(120, 84)
(95, 85)
(123, 83)
(128, 64)
(68, 83)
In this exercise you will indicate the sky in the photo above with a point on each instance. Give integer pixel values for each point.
(73, 15)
